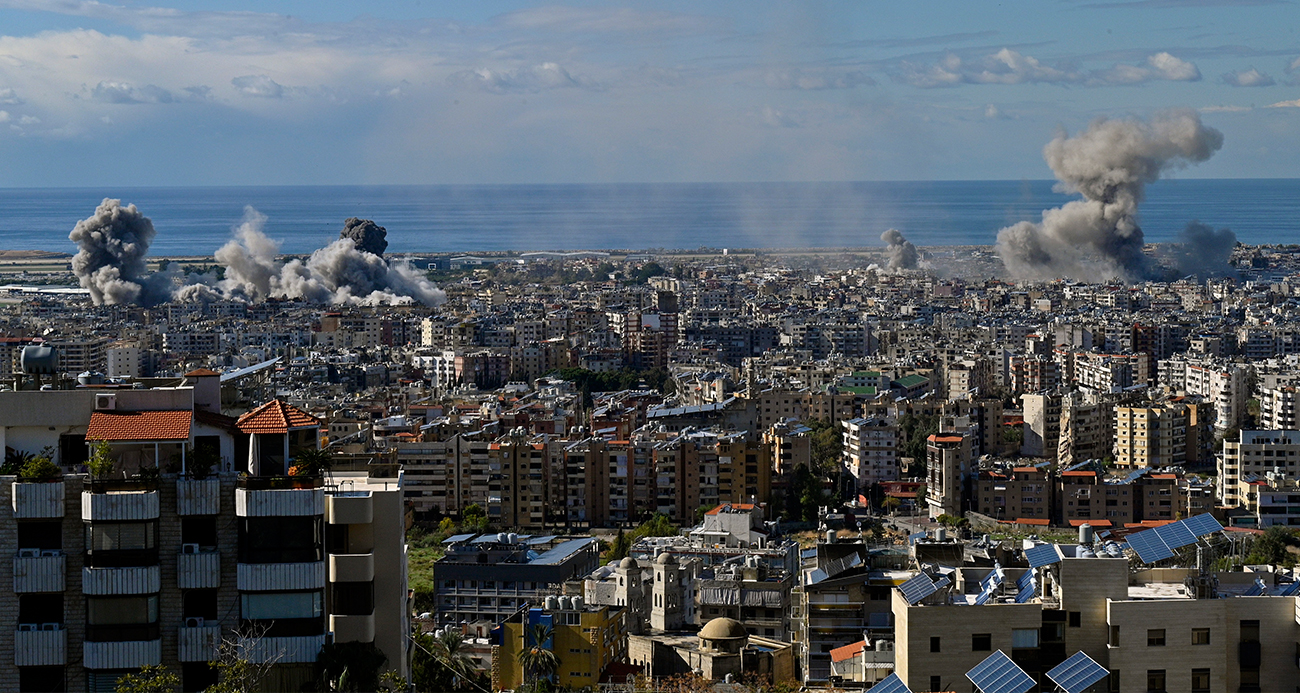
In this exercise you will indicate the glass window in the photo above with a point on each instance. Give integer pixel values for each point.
(1024, 637)
(1156, 637)
(1250, 631)
(1155, 681)
(276, 605)
(1200, 636)
(120, 536)
(112, 611)
(1200, 681)
(1114, 636)
(981, 642)
(40, 535)
(934, 644)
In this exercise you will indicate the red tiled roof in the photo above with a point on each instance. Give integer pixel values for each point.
(1078, 473)
(1095, 523)
(1025, 469)
(734, 506)
(201, 373)
(275, 417)
(139, 425)
(840, 654)
(214, 419)
(1032, 521)
(1164, 476)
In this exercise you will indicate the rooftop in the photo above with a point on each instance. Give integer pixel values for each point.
(124, 426)
(275, 417)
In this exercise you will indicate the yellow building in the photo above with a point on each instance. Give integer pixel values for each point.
(585, 639)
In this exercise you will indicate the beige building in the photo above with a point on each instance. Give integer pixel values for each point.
(1153, 436)
(1257, 456)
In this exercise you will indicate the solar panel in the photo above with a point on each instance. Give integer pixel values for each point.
(1077, 673)
(998, 674)
(891, 684)
(917, 588)
(1041, 555)
(941, 583)
(1176, 535)
(1203, 524)
(1026, 593)
(1149, 547)
(1026, 579)
(983, 598)
(1288, 590)
(1256, 589)
(994, 578)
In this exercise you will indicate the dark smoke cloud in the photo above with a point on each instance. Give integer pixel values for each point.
(1109, 164)
(110, 262)
(368, 236)
(1203, 251)
(902, 254)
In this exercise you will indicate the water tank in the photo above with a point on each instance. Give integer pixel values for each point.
(940, 534)
(1085, 534)
(552, 603)
(39, 360)
(830, 536)
(577, 603)
(512, 538)
(566, 603)
(502, 537)
(90, 378)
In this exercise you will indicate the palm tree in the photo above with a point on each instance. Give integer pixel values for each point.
(449, 647)
(537, 661)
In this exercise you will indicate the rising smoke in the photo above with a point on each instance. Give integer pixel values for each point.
(110, 262)
(340, 273)
(1109, 164)
(1202, 251)
(902, 254)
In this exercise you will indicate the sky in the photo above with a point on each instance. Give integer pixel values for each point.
(315, 92)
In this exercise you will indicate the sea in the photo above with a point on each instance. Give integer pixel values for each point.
(467, 218)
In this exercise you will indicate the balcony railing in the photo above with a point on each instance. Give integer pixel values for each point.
(40, 645)
(198, 570)
(38, 500)
(44, 572)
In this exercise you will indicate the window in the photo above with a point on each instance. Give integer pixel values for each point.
(199, 530)
(280, 540)
(934, 644)
(936, 683)
(1024, 638)
(1114, 680)
(121, 536)
(1156, 637)
(279, 605)
(1155, 681)
(122, 618)
(1250, 631)
(40, 608)
(199, 604)
(197, 676)
(1249, 679)
(1076, 619)
(1114, 636)
(41, 679)
(1200, 636)
(1200, 681)
(40, 535)
(352, 598)
(981, 642)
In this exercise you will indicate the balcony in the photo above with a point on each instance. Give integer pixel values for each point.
(285, 650)
(37, 500)
(271, 577)
(349, 508)
(352, 628)
(196, 643)
(352, 567)
(121, 581)
(198, 496)
(125, 654)
(40, 645)
(279, 502)
(119, 501)
(198, 570)
(43, 572)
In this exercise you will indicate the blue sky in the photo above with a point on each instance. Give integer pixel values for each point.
(286, 93)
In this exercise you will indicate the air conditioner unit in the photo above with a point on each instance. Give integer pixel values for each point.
(29, 553)
(105, 402)
(26, 627)
(194, 622)
(51, 626)
(51, 552)
(189, 548)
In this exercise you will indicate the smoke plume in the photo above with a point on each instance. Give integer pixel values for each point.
(341, 272)
(368, 236)
(1203, 251)
(110, 262)
(902, 254)
(1109, 164)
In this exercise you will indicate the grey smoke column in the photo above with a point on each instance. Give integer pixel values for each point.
(902, 254)
(1109, 164)
(1203, 251)
(369, 236)
(111, 247)
(338, 273)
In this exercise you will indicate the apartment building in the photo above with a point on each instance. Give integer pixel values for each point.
(1021, 493)
(1257, 456)
(950, 464)
(1222, 384)
(1277, 408)
(1154, 436)
(586, 640)
(870, 450)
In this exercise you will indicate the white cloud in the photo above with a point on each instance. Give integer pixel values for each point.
(603, 20)
(1012, 67)
(1294, 103)
(9, 97)
(258, 85)
(523, 79)
(4, 116)
(992, 112)
(1295, 65)
(816, 80)
(1224, 109)
(1248, 78)
(29, 120)
(127, 93)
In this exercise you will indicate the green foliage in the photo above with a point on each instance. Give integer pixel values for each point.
(827, 446)
(150, 679)
(620, 548)
(349, 666)
(311, 462)
(952, 520)
(1271, 547)
(199, 462)
(537, 661)
(612, 381)
(804, 497)
(648, 270)
(15, 460)
(40, 469)
(912, 434)
(100, 462)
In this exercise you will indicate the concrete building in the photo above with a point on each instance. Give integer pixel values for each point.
(950, 465)
(1154, 436)
(870, 450)
(1269, 456)
(1042, 429)
(586, 640)
(722, 648)
(1277, 408)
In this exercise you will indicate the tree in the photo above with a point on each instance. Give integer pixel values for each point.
(349, 666)
(449, 648)
(439, 663)
(242, 664)
(1271, 547)
(620, 548)
(539, 662)
(150, 679)
(100, 463)
(474, 516)
(891, 504)
(311, 462)
(827, 446)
